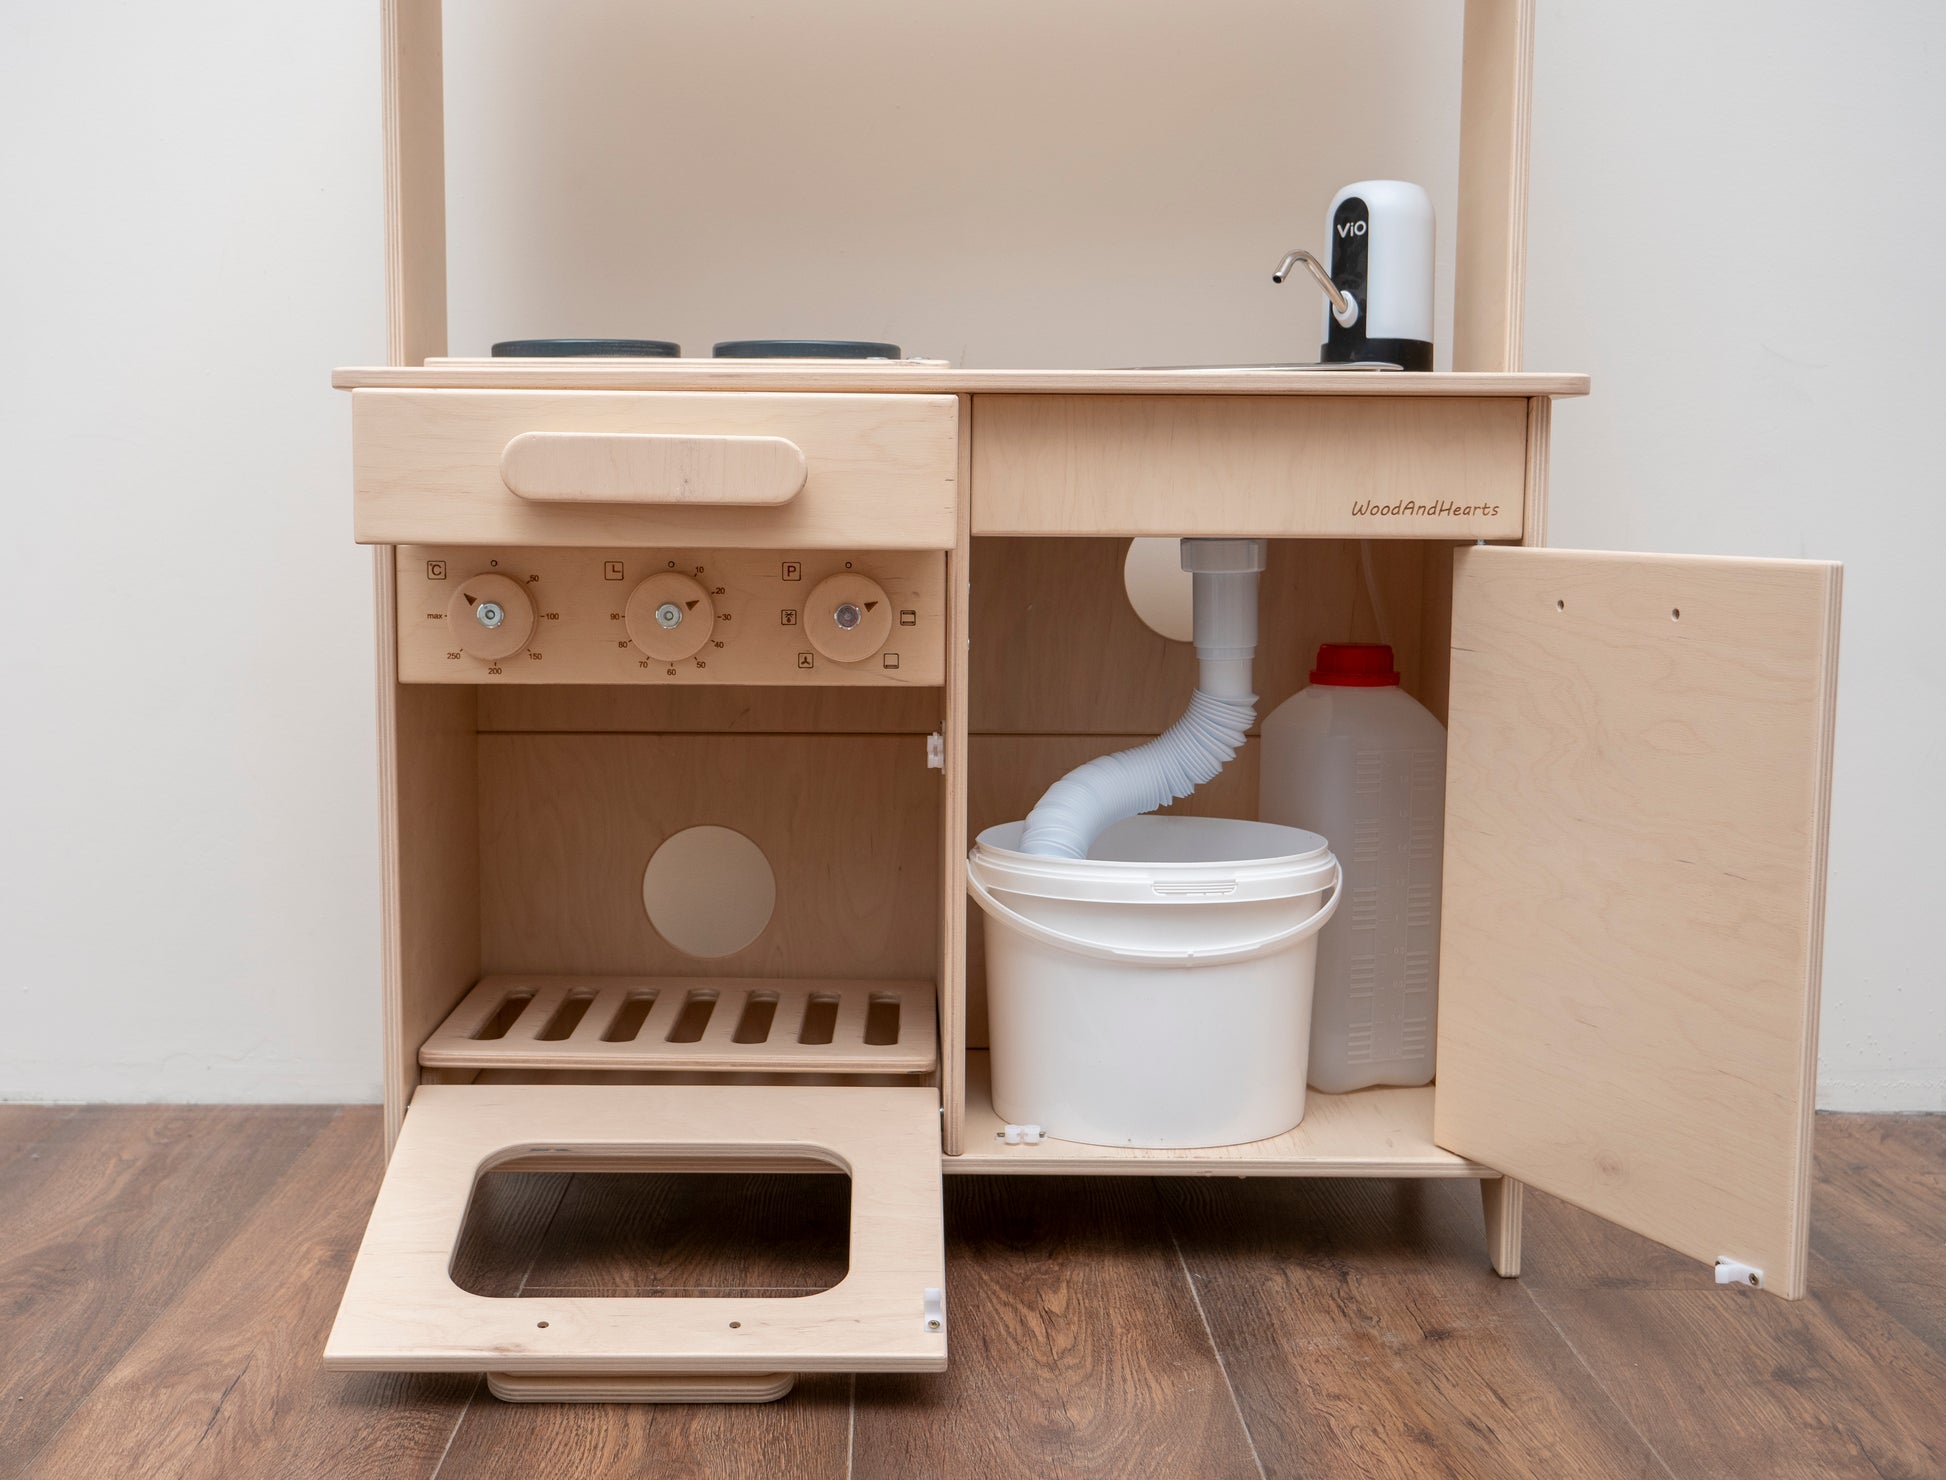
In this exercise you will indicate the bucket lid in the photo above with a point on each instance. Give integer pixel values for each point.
(1355, 665)
(1157, 860)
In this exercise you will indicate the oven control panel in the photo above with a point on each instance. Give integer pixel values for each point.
(472, 614)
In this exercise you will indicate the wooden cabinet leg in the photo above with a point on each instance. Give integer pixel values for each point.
(1501, 1197)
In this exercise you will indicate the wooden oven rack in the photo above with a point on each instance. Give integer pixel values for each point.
(700, 1024)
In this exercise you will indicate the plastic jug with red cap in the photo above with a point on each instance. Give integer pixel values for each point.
(1356, 758)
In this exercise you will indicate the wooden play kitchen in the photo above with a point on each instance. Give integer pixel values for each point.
(696, 677)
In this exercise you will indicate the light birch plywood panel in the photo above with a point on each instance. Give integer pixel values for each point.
(652, 468)
(930, 377)
(1057, 649)
(794, 1079)
(1501, 1203)
(850, 825)
(1490, 235)
(759, 617)
(731, 709)
(1377, 467)
(952, 825)
(414, 94)
(1431, 674)
(428, 854)
(402, 1311)
(1637, 797)
(572, 1387)
(691, 1024)
(1540, 420)
(883, 470)
(1383, 1132)
(430, 826)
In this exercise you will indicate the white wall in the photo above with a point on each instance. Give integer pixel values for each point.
(188, 856)
(188, 864)
(1739, 238)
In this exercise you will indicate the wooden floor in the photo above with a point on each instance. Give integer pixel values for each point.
(167, 1276)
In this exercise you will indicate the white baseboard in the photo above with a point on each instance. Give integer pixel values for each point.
(1882, 1091)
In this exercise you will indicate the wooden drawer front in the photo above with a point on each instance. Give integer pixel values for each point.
(647, 468)
(1380, 467)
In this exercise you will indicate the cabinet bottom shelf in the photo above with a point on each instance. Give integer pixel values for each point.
(1383, 1132)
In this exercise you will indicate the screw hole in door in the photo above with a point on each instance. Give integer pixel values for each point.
(736, 1325)
(1675, 614)
(541, 1325)
(1560, 606)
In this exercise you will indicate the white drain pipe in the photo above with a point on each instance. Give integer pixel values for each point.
(1087, 801)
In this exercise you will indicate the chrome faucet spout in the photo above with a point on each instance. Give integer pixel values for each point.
(1341, 304)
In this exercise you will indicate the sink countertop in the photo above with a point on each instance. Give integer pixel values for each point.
(936, 377)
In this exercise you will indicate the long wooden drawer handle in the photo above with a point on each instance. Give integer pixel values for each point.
(652, 468)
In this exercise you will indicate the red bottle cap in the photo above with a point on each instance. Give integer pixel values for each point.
(1355, 665)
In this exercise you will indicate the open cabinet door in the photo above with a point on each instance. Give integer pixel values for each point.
(1638, 783)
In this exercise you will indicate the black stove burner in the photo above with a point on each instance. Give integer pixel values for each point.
(550, 349)
(805, 349)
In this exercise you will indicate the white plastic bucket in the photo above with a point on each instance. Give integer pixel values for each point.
(1157, 992)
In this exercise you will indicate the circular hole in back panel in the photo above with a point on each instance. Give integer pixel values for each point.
(1159, 589)
(709, 891)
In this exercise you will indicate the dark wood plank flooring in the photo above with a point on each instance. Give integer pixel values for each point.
(167, 1275)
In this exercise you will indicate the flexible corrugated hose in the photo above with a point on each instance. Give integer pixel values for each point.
(1093, 797)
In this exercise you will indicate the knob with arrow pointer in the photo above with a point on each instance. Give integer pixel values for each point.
(670, 616)
(491, 616)
(848, 617)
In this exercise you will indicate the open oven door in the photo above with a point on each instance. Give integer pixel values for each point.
(402, 1310)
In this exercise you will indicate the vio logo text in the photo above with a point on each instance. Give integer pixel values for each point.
(1351, 228)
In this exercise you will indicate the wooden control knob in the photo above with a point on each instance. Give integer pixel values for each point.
(670, 616)
(848, 617)
(491, 616)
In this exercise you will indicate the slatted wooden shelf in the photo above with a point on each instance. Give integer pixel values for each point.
(705, 1024)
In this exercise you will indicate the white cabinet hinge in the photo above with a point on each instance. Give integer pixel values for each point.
(1020, 1135)
(936, 752)
(1730, 1272)
(934, 1302)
